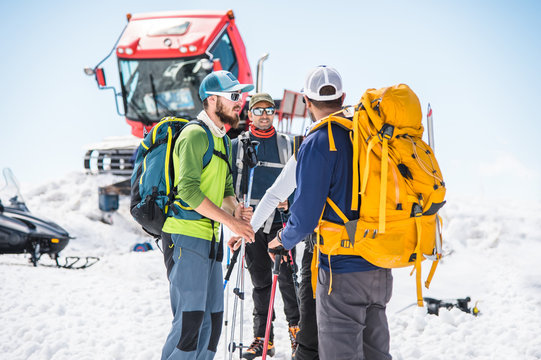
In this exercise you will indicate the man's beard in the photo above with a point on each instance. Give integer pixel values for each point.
(226, 118)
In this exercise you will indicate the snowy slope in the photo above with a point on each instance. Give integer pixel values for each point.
(119, 308)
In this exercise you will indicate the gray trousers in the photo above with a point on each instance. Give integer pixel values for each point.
(351, 320)
(197, 298)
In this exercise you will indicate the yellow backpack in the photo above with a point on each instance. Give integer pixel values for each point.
(399, 182)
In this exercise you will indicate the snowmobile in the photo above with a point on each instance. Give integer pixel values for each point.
(21, 232)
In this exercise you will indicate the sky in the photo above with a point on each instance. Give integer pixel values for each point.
(475, 62)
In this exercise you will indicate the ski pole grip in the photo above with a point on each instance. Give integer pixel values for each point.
(232, 264)
(276, 268)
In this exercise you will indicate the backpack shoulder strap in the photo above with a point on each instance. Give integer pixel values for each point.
(284, 147)
(345, 123)
(227, 144)
(239, 160)
(297, 141)
(208, 154)
(224, 157)
(240, 149)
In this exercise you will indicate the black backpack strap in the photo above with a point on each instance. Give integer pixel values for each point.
(224, 157)
(297, 141)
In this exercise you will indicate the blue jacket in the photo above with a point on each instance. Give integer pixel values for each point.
(320, 174)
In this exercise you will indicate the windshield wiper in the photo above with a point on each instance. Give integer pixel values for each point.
(141, 115)
(168, 111)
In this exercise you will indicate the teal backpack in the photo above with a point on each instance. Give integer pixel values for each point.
(153, 191)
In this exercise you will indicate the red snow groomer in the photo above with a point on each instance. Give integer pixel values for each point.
(162, 59)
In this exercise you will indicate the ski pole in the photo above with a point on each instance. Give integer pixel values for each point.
(247, 199)
(292, 263)
(430, 128)
(239, 295)
(250, 159)
(275, 273)
(239, 289)
(226, 301)
(293, 267)
(230, 265)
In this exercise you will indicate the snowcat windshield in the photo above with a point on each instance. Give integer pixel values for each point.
(153, 89)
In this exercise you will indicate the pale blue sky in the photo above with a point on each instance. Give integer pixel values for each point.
(476, 62)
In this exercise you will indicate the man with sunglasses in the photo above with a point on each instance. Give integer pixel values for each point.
(273, 151)
(206, 198)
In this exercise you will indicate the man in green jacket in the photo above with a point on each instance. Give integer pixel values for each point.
(205, 199)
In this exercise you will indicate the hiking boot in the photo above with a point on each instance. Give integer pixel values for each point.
(256, 349)
(293, 330)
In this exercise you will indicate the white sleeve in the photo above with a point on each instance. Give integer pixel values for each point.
(283, 186)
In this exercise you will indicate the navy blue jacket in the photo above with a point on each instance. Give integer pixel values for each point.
(322, 173)
(263, 176)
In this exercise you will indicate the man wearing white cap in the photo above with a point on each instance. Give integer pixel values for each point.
(351, 318)
(205, 198)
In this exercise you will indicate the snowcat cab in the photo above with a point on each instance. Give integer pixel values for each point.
(162, 59)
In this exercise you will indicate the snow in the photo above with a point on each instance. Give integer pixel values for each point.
(119, 308)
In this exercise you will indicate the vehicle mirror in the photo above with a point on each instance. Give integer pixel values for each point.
(204, 64)
(100, 77)
(89, 71)
(217, 65)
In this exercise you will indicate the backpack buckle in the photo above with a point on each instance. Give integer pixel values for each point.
(416, 210)
(345, 243)
(386, 132)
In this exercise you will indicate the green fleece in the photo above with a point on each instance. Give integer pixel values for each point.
(194, 183)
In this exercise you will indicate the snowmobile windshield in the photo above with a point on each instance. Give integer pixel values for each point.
(10, 194)
(153, 89)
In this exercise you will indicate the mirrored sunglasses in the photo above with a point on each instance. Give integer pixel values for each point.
(233, 96)
(259, 111)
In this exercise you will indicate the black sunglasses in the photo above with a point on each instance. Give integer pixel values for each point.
(259, 111)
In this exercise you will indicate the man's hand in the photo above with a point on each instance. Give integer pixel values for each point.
(242, 212)
(242, 228)
(273, 245)
(284, 205)
(234, 243)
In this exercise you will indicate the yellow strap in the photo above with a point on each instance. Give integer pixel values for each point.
(181, 206)
(355, 183)
(336, 210)
(333, 249)
(364, 182)
(418, 261)
(144, 145)
(383, 184)
(431, 274)
(314, 266)
(332, 147)
(315, 257)
(167, 154)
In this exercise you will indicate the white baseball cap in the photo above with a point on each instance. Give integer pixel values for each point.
(319, 77)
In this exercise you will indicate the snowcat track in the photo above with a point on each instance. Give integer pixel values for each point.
(110, 161)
